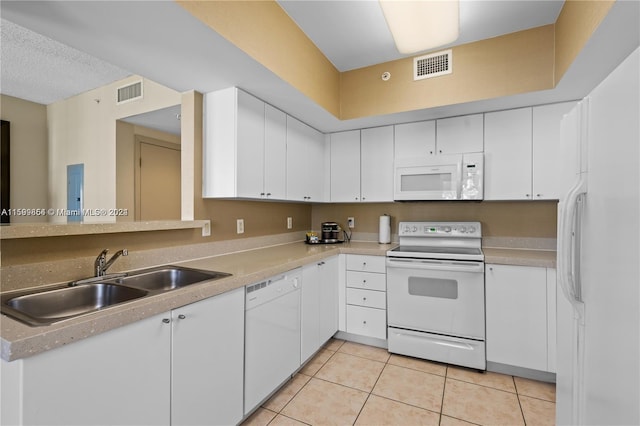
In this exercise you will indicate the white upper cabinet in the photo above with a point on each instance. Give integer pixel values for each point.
(507, 155)
(244, 147)
(345, 166)
(415, 140)
(458, 135)
(547, 148)
(522, 151)
(362, 165)
(376, 164)
(305, 162)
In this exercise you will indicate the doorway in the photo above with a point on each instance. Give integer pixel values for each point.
(75, 186)
(158, 187)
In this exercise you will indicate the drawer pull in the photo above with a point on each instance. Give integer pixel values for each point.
(364, 322)
(364, 299)
(166, 320)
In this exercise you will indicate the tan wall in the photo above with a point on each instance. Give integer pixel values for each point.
(28, 128)
(264, 31)
(499, 219)
(82, 129)
(516, 63)
(576, 23)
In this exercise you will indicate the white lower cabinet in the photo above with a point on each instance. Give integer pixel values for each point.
(520, 309)
(366, 296)
(160, 370)
(319, 305)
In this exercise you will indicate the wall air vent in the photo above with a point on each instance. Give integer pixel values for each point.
(130, 92)
(432, 65)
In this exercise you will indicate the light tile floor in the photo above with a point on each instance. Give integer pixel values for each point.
(351, 384)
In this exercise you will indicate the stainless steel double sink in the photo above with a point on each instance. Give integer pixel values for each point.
(45, 307)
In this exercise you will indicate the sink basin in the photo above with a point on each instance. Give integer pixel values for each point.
(50, 306)
(92, 294)
(168, 278)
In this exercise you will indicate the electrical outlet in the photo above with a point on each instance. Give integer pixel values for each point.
(351, 222)
(289, 223)
(240, 226)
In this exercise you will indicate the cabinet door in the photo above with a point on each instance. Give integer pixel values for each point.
(551, 320)
(345, 166)
(328, 298)
(250, 146)
(120, 377)
(275, 153)
(458, 135)
(547, 143)
(507, 155)
(305, 158)
(310, 318)
(207, 361)
(376, 164)
(516, 300)
(415, 140)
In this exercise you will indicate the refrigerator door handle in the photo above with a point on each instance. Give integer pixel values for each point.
(569, 276)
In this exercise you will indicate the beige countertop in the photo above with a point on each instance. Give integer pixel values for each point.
(19, 340)
(520, 257)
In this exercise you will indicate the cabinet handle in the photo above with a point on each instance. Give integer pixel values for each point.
(528, 195)
(491, 268)
(430, 152)
(268, 194)
(440, 151)
(181, 316)
(166, 320)
(364, 299)
(364, 282)
(364, 322)
(262, 194)
(538, 195)
(364, 198)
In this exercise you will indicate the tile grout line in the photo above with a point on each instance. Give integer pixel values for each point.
(372, 388)
(524, 420)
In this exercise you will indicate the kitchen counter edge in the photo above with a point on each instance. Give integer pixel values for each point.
(19, 340)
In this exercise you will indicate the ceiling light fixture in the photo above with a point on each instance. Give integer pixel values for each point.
(418, 25)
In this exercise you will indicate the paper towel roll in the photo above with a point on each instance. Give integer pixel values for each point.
(385, 230)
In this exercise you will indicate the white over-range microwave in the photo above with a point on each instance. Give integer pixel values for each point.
(441, 177)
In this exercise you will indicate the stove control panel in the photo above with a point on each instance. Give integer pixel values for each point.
(440, 229)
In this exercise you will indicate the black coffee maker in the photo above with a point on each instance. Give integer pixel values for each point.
(330, 232)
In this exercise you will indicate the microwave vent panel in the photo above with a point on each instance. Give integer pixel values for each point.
(432, 65)
(130, 92)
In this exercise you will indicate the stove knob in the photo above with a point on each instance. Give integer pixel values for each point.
(472, 229)
(414, 229)
(447, 229)
(463, 229)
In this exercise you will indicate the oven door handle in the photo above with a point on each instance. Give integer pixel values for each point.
(435, 265)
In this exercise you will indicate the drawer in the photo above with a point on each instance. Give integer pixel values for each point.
(367, 280)
(367, 321)
(356, 262)
(367, 298)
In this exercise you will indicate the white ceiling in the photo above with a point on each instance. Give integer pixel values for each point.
(161, 41)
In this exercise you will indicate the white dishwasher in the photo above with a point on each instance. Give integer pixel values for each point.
(272, 335)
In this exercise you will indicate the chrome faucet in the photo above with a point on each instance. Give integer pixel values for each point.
(101, 263)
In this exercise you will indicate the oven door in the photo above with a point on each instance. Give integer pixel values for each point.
(436, 296)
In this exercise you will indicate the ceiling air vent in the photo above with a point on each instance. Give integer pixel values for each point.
(130, 92)
(432, 65)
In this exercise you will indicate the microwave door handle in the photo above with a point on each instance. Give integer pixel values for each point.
(435, 265)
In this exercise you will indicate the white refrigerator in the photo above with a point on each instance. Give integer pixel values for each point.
(598, 305)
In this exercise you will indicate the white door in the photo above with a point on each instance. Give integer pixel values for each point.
(517, 316)
(249, 146)
(305, 162)
(207, 361)
(376, 164)
(120, 377)
(507, 155)
(415, 140)
(345, 166)
(275, 153)
(459, 135)
(328, 298)
(548, 165)
(310, 311)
